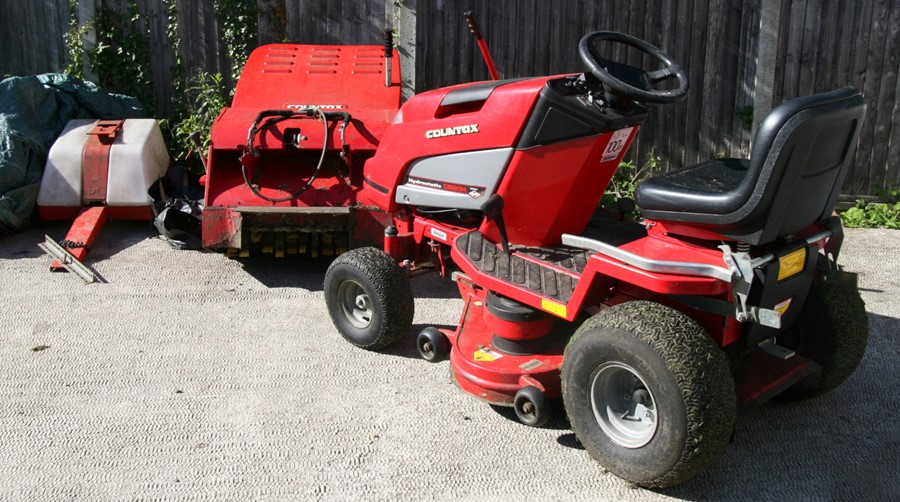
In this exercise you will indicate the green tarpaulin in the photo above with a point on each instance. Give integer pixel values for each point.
(33, 112)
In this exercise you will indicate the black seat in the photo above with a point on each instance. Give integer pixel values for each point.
(798, 162)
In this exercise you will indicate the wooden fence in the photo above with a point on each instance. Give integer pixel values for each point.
(742, 56)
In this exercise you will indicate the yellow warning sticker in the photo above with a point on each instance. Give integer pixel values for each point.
(553, 307)
(782, 307)
(791, 264)
(486, 354)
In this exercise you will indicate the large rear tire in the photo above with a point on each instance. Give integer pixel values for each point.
(832, 330)
(369, 298)
(648, 393)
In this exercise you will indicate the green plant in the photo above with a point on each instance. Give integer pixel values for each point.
(875, 214)
(239, 23)
(74, 39)
(745, 113)
(625, 181)
(174, 38)
(121, 58)
(205, 97)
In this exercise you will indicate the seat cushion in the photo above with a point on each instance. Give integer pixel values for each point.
(710, 188)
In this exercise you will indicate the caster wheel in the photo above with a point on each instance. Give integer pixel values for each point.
(532, 407)
(433, 345)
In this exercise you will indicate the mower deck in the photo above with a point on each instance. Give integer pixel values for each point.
(484, 371)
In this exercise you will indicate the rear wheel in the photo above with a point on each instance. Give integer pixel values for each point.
(648, 393)
(369, 298)
(832, 330)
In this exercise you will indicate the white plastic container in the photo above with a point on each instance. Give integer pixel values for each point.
(137, 159)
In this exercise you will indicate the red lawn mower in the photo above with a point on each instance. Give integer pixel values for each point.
(654, 334)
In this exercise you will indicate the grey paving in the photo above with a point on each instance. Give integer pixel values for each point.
(190, 376)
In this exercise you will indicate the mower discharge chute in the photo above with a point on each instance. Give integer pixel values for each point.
(654, 334)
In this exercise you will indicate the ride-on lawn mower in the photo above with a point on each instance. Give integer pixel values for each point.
(654, 334)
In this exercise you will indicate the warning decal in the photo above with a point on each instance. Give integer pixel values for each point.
(553, 307)
(616, 144)
(782, 307)
(486, 354)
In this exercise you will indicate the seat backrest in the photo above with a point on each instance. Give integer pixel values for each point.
(798, 163)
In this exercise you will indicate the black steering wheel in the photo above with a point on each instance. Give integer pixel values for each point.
(600, 68)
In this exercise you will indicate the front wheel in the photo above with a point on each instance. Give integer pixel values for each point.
(368, 298)
(648, 393)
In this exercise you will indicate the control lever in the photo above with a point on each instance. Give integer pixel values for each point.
(482, 44)
(493, 211)
(388, 56)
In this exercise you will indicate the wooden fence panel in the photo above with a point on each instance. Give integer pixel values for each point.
(882, 113)
(32, 36)
(529, 37)
(821, 46)
(336, 21)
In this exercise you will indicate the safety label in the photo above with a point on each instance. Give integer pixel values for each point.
(439, 234)
(486, 354)
(783, 307)
(616, 144)
(531, 365)
(553, 307)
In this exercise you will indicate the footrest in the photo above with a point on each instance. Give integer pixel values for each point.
(549, 272)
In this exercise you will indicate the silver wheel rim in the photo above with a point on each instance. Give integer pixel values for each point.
(623, 405)
(356, 304)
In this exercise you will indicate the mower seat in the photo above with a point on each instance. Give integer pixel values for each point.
(798, 162)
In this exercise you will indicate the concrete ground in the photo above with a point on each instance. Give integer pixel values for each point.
(188, 375)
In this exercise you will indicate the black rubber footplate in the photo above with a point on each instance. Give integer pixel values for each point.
(541, 278)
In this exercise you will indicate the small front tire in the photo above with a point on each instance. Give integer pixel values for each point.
(369, 298)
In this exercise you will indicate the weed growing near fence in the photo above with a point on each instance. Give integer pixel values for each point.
(625, 181)
(875, 214)
(205, 96)
(121, 60)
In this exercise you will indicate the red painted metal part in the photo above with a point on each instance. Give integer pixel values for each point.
(763, 376)
(346, 78)
(83, 233)
(294, 77)
(680, 229)
(425, 229)
(568, 193)
(488, 60)
(95, 161)
(603, 273)
(488, 373)
(500, 119)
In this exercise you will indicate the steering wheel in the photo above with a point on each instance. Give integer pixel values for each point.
(599, 67)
